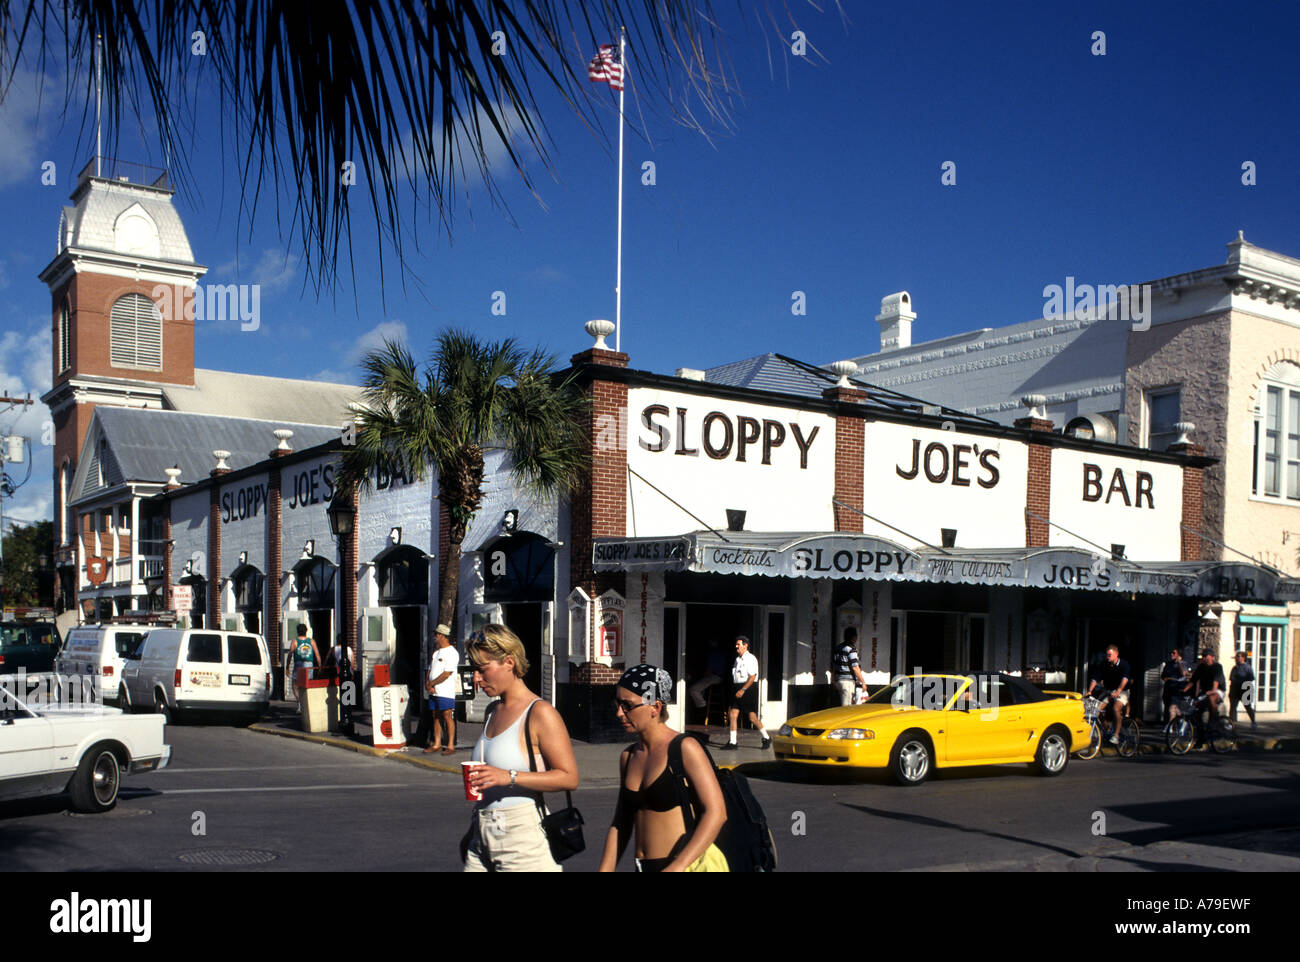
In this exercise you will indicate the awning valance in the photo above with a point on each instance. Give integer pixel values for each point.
(869, 558)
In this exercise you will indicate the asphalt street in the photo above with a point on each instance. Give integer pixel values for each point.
(234, 799)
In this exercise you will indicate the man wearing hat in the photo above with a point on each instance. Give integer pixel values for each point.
(441, 689)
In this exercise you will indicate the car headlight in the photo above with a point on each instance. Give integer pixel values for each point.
(852, 734)
(785, 730)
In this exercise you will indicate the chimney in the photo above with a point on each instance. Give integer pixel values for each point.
(895, 320)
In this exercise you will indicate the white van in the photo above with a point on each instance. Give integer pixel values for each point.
(195, 669)
(99, 652)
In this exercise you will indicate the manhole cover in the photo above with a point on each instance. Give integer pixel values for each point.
(228, 856)
(115, 813)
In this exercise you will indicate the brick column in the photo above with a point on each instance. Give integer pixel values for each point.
(1193, 500)
(1038, 488)
(214, 548)
(272, 628)
(348, 585)
(850, 438)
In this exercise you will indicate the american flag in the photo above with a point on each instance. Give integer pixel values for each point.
(606, 67)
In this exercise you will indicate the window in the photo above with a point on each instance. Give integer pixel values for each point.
(1263, 641)
(1163, 411)
(244, 650)
(65, 346)
(135, 333)
(205, 648)
(1276, 469)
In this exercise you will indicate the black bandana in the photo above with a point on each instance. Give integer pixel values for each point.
(653, 684)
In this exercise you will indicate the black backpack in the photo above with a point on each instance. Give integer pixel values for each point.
(745, 838)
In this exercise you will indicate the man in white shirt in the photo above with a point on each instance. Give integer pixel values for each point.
(744, 693)
(441, 688)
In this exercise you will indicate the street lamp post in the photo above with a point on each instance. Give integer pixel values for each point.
(343, 515)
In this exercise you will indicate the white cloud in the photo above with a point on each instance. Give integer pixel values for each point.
(21, 138)
(273, 270)
(371, 340)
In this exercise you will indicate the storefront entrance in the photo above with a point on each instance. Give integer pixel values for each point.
(525, 620)
(710, 648)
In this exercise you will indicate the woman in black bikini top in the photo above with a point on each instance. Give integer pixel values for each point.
(650, 798)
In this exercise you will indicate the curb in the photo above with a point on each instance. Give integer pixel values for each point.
(399, 755)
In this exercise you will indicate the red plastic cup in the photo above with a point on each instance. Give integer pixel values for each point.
(470, 794)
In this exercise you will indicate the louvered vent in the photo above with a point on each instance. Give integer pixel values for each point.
(135, 333)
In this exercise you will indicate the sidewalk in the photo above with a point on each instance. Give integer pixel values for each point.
(597, 762)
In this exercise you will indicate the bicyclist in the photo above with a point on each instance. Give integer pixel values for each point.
(1174, 675)
(1113, 675)
(1207, 685)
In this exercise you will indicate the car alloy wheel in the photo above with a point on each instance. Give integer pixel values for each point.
(911, 762)
(1052, 753)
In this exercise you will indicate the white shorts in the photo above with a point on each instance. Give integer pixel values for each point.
(509, 840)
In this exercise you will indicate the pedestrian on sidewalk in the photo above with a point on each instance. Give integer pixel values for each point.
(744, 694)
(848, 672)
(305, 652)
(651, 801)
(1242, 688)
(441, 689)
(506, 828)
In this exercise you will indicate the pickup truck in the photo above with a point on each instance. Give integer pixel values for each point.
(81, 749)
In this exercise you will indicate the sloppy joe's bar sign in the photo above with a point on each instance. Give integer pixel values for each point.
(667, 554)
(923, 479)
(709, 454)
(1117, 500)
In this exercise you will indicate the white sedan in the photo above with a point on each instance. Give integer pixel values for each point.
(80, 749)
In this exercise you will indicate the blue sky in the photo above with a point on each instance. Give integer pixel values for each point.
(1112, 169)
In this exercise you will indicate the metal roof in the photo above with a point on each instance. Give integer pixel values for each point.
(263, 398)
(144, 442)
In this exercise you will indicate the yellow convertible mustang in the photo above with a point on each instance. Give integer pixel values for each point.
(922, 722)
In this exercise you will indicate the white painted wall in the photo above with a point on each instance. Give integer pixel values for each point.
(782, 495)
(987, 511)
(243, 505)
(1149, 532)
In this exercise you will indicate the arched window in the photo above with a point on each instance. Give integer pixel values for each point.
(135, 333)
(1276, 471)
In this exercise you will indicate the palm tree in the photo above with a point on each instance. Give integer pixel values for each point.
(472, 395)
(387, 93)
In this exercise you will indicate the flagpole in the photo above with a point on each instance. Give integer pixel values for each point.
(618, 281)
(99, 147)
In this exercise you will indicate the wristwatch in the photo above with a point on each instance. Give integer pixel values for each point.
(513, 775)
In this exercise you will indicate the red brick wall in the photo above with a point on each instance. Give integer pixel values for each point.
(271, 626)
(1193, 502)
(600, 506)
(850, 439)
(90, 299)
(214, 553)
(1038, 496)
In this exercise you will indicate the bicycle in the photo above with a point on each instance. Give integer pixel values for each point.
(1130, 736)
(1181, 730)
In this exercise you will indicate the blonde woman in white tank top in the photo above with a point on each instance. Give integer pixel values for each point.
(506, 832)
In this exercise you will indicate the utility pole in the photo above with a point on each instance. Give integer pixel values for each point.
(11, 449)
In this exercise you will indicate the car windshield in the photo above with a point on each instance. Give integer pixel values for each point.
(930, 692)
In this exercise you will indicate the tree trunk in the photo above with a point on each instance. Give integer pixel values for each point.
(449, 585)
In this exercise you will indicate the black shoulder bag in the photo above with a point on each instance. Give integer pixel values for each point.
(563, 828)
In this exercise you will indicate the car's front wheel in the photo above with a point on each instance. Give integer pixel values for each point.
(124, 699)
(912, 758)
(94, 786)
(1053, 753)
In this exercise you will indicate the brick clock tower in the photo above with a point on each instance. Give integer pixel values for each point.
(119, 283)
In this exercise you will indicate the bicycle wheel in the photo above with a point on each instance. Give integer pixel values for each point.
(1094, 743)
(1179, 736)
(1130, 738)
(1223, 737)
